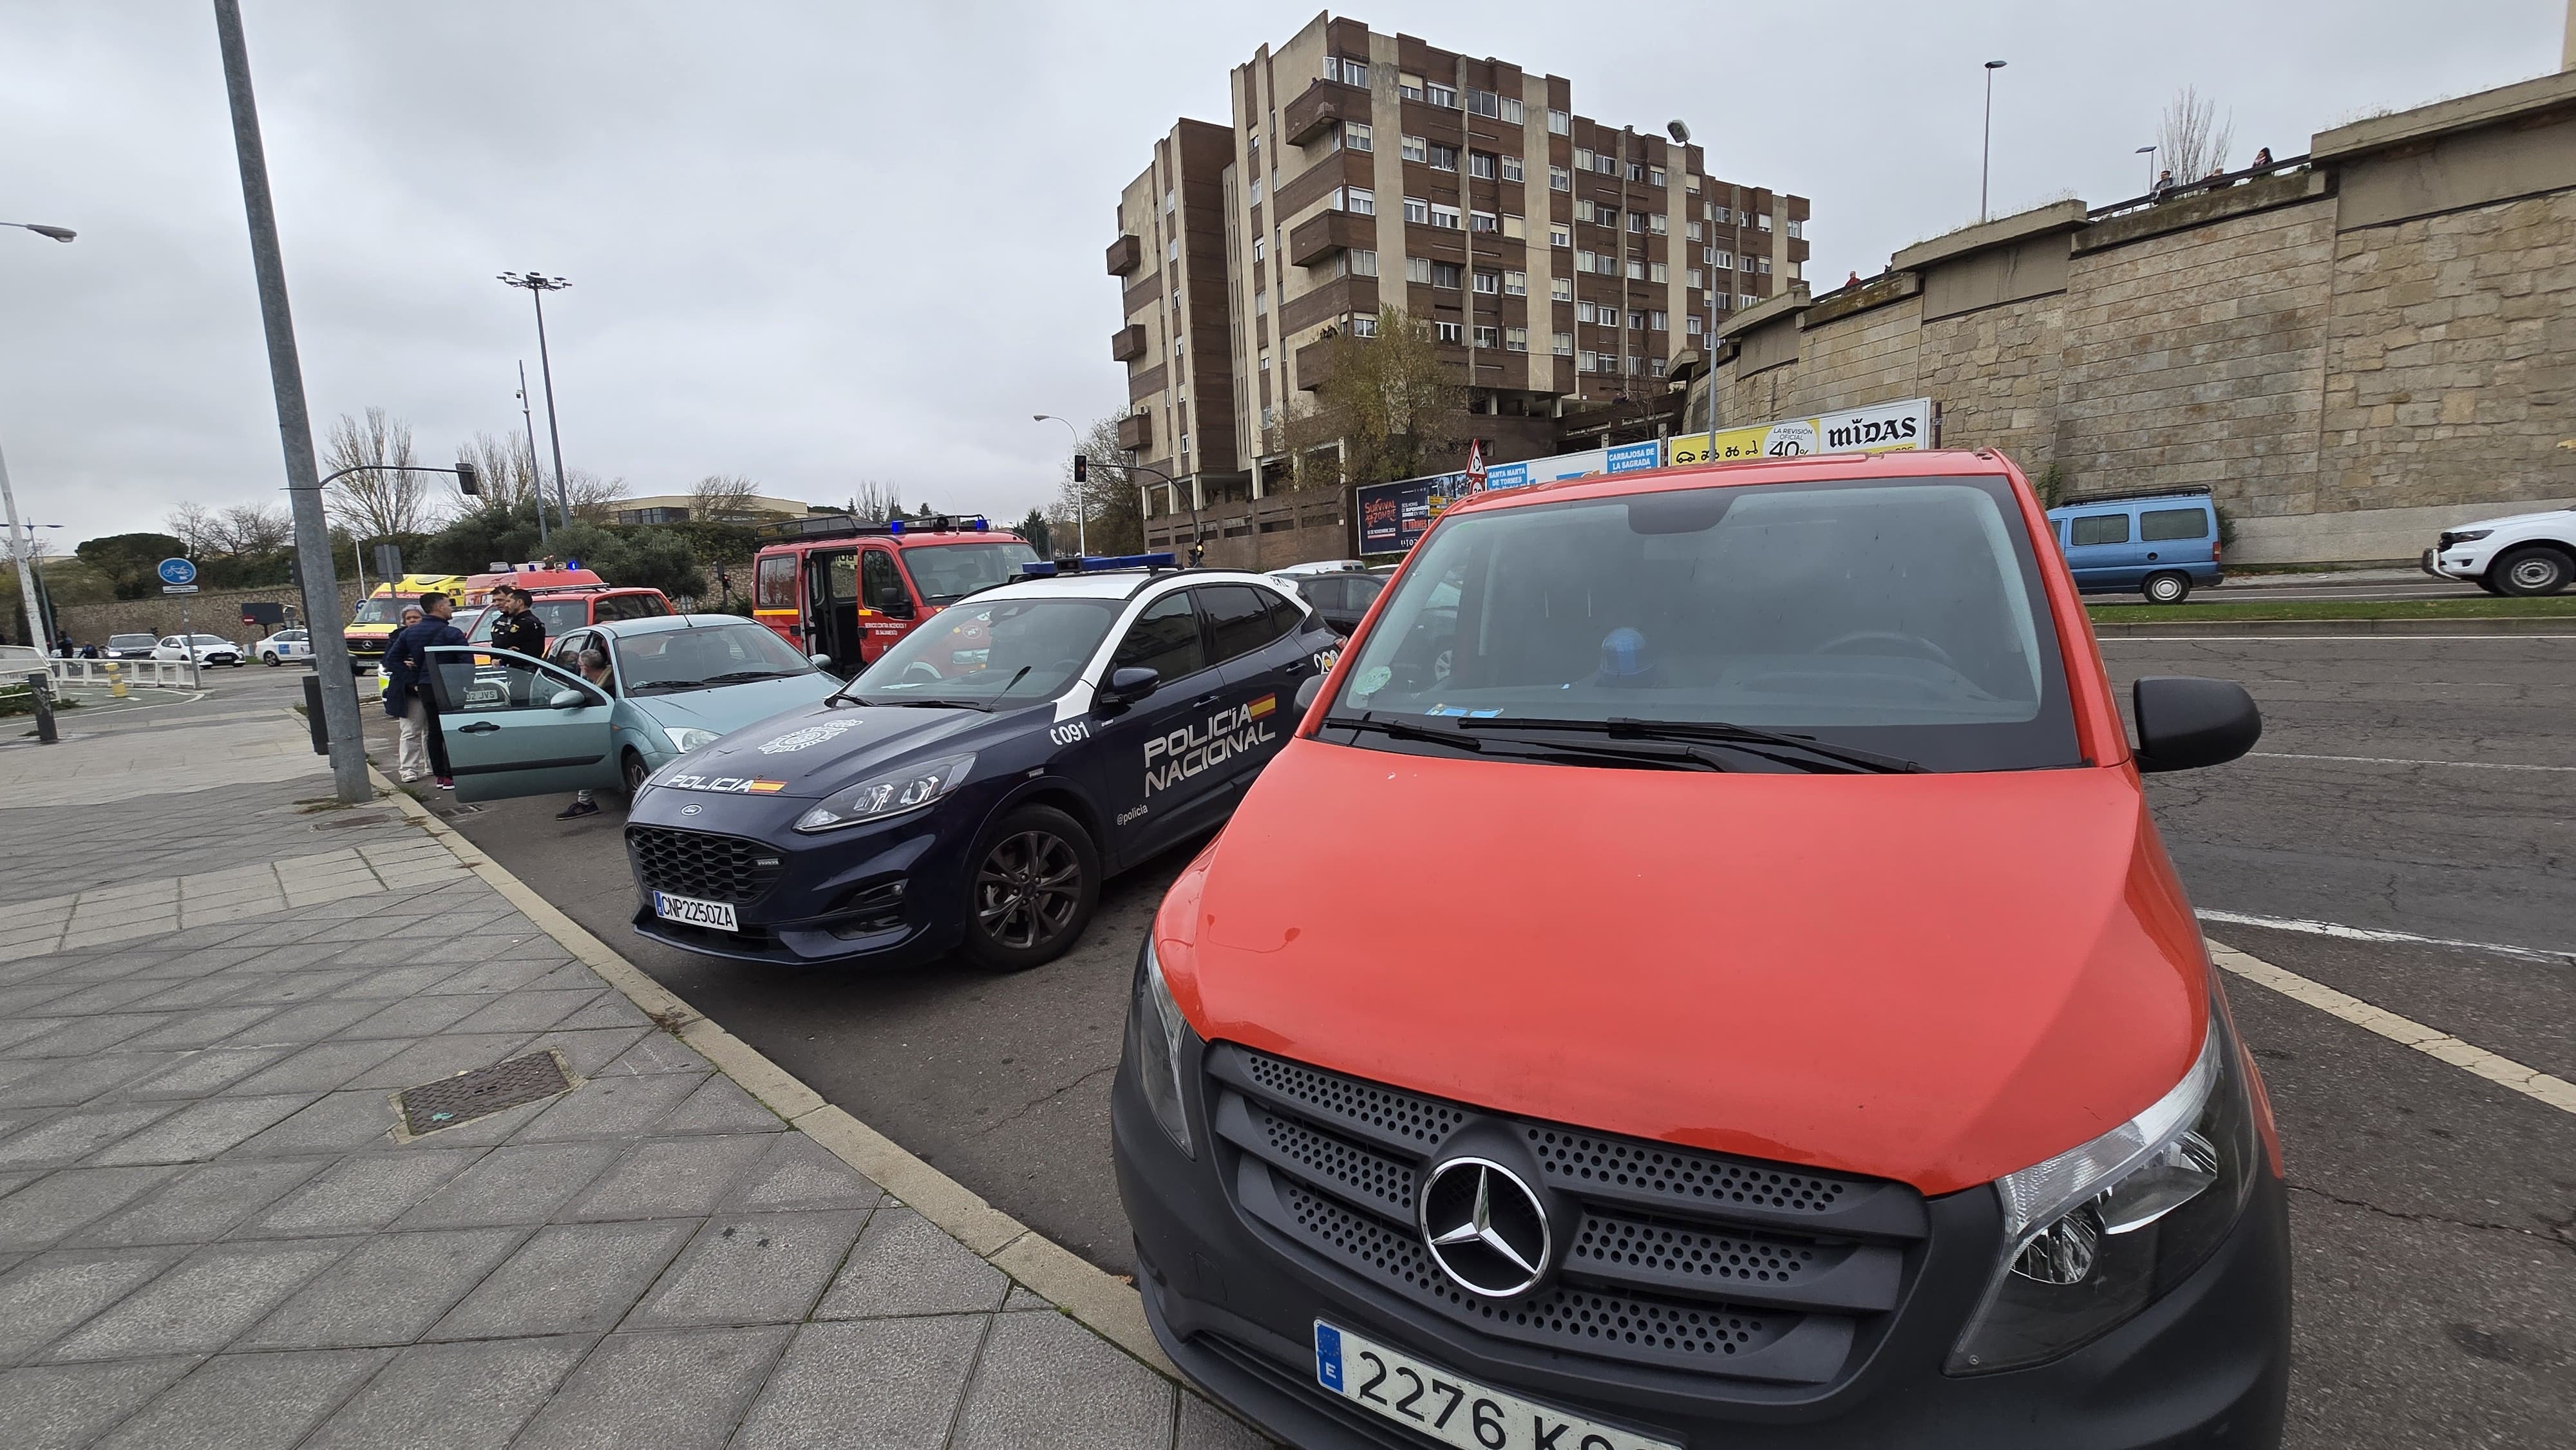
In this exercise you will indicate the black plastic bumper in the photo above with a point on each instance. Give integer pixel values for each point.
(2205, 1366)
(796, 920)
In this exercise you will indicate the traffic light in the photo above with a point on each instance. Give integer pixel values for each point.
(468, 482)
(1081, 467)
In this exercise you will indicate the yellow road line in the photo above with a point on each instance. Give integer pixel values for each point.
(2503, 1071)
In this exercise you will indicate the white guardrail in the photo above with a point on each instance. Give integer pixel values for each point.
(166, 674)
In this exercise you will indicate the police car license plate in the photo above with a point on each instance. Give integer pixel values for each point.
(1450, 1408)
(717, 914)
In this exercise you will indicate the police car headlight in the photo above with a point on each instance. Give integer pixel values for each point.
(890, 794)
(685, 738)
(1155, 1031)
(2098, 1232)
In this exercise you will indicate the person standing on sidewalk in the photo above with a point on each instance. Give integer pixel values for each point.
(411, 760)
(594, 668)
(408, 696)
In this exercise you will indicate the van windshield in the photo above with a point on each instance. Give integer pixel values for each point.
(385, 609)
(943, 572)
(1902, 617)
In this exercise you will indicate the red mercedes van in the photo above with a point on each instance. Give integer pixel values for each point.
(1770, 1018)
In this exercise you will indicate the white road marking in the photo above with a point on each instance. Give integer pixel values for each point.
(2398, 760)
(2374, 934)
(2504, 1072)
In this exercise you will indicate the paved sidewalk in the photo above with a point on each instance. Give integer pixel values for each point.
(211, 1233)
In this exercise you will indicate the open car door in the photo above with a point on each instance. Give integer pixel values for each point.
(517, 726)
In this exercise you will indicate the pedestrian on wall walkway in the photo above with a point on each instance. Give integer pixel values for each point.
(408, 695)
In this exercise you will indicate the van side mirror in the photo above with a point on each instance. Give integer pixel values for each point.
(893, 605)
(2185, 722)
(1129, 685)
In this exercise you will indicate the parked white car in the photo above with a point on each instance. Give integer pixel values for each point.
(209, 649)
(2519, 554)
(286, 647)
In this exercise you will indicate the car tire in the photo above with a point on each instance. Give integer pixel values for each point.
(2166, 587)
(269, 659)
(2530, 571)
(2487, 583)
(1032, 882)
(632, 771)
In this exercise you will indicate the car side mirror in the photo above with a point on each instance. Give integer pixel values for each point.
(1129, 685)
(2185, 722)
(1308, 690)
(569, 700)
(819, 661)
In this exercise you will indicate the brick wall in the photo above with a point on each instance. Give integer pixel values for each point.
(1871, 357)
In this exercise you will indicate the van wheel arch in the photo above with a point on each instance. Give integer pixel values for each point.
(2166, 586)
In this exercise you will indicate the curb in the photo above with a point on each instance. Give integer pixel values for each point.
(2328, 628)
(1101, 1302)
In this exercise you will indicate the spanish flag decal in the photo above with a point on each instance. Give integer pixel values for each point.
(767, 787)
(1261, 707)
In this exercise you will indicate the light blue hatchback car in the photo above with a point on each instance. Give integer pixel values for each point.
(517, 726)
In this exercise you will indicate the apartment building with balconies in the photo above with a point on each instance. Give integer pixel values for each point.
(1558, 259)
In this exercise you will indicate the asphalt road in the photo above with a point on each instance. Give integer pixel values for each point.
(2412, 785)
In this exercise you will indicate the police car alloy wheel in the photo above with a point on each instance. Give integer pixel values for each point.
(1032, 887)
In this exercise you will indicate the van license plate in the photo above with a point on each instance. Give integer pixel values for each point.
(1452, 1409)
(717, 914)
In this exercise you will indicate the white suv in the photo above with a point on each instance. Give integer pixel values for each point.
(2520, 554)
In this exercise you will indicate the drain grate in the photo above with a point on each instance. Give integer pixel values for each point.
(481, 1093)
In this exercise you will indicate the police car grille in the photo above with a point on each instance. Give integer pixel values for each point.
(697, 864)
(1678, 1259)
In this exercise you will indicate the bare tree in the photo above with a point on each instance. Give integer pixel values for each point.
(250, 531)
(196, 525)
(1108, 480)
(592, 497)
(871, 499)
(507, 472)
(723, 498)
(2192, 141)
(377, 500)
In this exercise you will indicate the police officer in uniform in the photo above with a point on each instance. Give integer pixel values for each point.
(518, 629)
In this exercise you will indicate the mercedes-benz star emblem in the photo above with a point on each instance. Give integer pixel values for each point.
(1486, 1228)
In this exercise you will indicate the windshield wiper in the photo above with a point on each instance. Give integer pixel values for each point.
(1404, 729)
(925, 703)
(739, 677)
(664, 687)
(1713, 730)
(1671, 755)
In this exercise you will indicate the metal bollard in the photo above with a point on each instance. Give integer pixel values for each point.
(40, 690)
(115, 680)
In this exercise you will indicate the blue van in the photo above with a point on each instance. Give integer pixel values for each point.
(2160, 542)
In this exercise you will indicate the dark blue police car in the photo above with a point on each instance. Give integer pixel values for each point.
(973, 787)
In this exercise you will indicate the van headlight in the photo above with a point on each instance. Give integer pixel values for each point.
(2098, 1232)
(890, 794)
(1155, 1032)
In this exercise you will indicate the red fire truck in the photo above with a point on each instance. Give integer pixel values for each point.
(833, 585)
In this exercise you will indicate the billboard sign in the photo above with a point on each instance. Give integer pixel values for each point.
(1880, 428)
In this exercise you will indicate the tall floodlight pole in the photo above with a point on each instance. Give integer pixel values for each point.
(537, 285)
(294, 425)
(23, 561)
(1985, 162)
(526, 417)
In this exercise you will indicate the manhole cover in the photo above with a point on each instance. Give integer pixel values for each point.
(481, 1093)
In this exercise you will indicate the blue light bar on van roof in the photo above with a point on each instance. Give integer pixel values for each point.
(894, 526)
(1094, 563)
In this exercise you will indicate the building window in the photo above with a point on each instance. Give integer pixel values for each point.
(1690, 325)
(1723, 216)
(1720, 301)
(1265, 420)
(1185, 443)
(1636, 171)
(1589, 362)
(1418, 269)
(1417, 212)
(1172, 250)
(1636, 221)
(1484, 103)
(1515, 339)
(1409, 87)
(1633, 362)
(1512, 112)
(1562, 344)
(1763, 221)
(1364, 325)
(1657, 272)
(1559, 235)
(1698, 278)
(1484, 221)
(1559, 179)
(1447, 332)
(1257, 248)
(1693, 231)
(1444, 216)
(1607, 265)
(1515, 284)
(1265, 362)
(1358, 262)
(1413, 148)
(1356, 136)
(1654, 321)
(1488, 337)
(1357, 200)
(1655, 366)
(1514, 227)
(1488, 282)
(1560, 289)
(1583, 210)
(1636, 321)
(1654, 176)
(1512, 169)
(1722, 261)
(1440, 95)
(1605, 163)
(1762, 265)
(1256, 190)
(1584, 312)
(1583, 261)
(1560, 124)
(1582, 159)
(1748, 300)
(1445, 274)
(1443, 158)
(1797, 229)
(1637, 270)
(1659, 223)
(1480, 164)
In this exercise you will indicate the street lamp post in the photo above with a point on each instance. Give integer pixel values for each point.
(1681, 135)
(537, 285)
(23, 562)
(2149, 152)
(1985, 163)
(1081, 496)
(294, 425)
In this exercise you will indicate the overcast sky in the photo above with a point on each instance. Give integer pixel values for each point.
(817, 243)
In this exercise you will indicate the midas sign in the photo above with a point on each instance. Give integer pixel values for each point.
(1884, 428)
